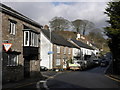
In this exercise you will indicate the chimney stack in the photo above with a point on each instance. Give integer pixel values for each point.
(46, 27)
(78, 36)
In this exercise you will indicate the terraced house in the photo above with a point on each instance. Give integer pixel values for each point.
(55, 50)
(20, 41)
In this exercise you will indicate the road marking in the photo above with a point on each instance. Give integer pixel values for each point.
(51, 77)
(25, 85)
(45, 76)
(38, 85)
(45, 85)
(45, 82)
(22, 85)
(112, 78)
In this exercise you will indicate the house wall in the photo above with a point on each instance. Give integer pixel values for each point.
(56, 56)
(46, 46)
(76, 52)
(0, 50)
(14, 73)
(69, 55)
(64, 57)
(86, 51)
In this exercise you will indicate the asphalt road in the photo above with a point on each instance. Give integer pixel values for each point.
(94, 78)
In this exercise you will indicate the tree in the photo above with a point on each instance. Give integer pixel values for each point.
(82, 26)
(113, 32)
(60, 24)
(97, 39)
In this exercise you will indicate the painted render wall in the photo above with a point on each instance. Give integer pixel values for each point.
(76, 51)
(86, 51)
(46, 46)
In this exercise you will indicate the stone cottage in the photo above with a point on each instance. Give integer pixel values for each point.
(20, 45)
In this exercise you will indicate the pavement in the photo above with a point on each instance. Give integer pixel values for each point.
(109, 73)
(114, 77)
(27, 81)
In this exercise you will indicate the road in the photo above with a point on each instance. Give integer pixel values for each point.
(94, 78)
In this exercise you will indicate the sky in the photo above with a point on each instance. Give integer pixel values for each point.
(43, 12)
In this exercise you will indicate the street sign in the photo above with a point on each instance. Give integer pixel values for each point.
(50, 52)
(7, 46)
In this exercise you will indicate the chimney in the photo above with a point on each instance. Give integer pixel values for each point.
(78, 36)
(46, 27)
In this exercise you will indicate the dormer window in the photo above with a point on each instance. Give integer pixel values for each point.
(30, 38)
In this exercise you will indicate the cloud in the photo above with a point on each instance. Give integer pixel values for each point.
(43, 12)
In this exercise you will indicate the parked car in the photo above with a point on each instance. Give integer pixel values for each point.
(104, 63)
(43, 68)
(96, 61)
(82, 64)
(74, 67)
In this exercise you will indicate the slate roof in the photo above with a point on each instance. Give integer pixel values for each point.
(57, 39)
(81, 44)
(13, 13)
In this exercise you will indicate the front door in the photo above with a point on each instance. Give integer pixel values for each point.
(26, 68)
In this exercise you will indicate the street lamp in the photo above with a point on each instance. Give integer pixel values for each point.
(50, 52)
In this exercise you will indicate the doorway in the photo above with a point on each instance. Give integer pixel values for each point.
(26, 68)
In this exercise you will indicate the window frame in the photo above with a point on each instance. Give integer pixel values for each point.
(13, 60)
(69, 50)
(58, 49)
(65, 49)
(32, 38)
(58, 62)
(28, 42)
(12, 29)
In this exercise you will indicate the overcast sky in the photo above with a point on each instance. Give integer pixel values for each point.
(43, 12)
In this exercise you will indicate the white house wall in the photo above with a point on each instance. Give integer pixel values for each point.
(86, 51)
(46, 46)
(76, 51)
(96, 51)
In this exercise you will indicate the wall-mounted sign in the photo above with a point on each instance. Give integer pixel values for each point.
(50, 52)
(7, 46)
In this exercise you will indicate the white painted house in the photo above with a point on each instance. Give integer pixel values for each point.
(46, 48)
(86, 51)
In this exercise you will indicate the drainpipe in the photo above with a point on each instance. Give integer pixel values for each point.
(50, 49)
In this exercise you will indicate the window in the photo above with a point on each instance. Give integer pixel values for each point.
(58, 49)
(57, 62)
(69, 51)
(12, 60)
(12, 27)
(30, 39)
(34, 39)
(64, 50)
(37, 40)
(26, 38)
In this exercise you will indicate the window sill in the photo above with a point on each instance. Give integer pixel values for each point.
(11, 66)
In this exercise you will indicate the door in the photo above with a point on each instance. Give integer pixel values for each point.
(26, 68)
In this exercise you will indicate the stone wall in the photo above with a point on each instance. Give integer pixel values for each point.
(61, 55)
(13, 73)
